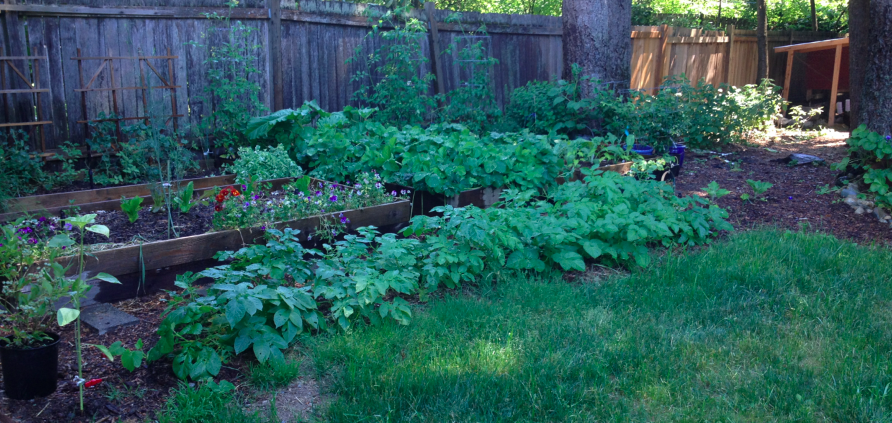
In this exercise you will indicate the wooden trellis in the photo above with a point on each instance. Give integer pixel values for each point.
(108, 64)
(7, 63)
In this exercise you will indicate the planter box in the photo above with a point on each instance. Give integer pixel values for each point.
(102, 198)
(423, 201)
(621, 168)
(180, 251)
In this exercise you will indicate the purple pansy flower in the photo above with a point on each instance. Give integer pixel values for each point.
(333, 198)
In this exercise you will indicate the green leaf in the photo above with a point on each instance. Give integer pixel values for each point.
(107, 278)
(104, 351)
(60, 241)
(569, 260)
(261, 351)
(99, 229)
(592, 249)
(81, 221)
(235, 311)
(67, 315)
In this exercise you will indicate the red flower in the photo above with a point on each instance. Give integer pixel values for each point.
(218, 207)
(220, 197)
(235, 193)
(92, 382)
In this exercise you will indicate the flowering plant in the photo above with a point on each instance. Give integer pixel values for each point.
(300, 199)
(28, 292)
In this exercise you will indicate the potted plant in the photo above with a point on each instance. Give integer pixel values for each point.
(28, 350)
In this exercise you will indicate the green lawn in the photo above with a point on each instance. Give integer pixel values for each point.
(765, 327)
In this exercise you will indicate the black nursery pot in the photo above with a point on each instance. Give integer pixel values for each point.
(30, 372)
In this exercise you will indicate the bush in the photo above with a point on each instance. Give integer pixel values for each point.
(870, 154)
(263, 165)
(550, 107)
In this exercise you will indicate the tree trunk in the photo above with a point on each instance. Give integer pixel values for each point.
(870, 59)
(597, 37)
(814, 17)
(761, 41)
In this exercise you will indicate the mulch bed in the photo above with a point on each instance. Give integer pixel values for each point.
(793, 200)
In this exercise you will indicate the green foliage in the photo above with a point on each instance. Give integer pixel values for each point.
(551, 107)
(264, 164)
(714, 191)
(131, 208)
(473, 103)
(735, 322)
(22, 172)
(271, 294)
(30, 287)
(130, 359)
(700, 115)
(210, 402)
(445, 158)
(871, 153)
(800, 116)
(759, 187)
(183, 198)
(231, 93)
(273, 373)
(394, 79)
(782, 14)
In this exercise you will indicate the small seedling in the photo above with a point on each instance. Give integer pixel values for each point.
(735, 166)
(759, 188)
(745, 197)
(715, 192)
(184, 198)
(131, 208)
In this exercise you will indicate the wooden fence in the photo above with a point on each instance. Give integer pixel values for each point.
(302, 53)
(718, 56)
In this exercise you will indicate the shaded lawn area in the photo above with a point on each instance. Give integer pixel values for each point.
(768, 326)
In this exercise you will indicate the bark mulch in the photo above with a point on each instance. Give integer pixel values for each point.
(793, 200)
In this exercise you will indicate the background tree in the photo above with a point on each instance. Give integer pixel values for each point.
(761, 40)
(870, 63)
(596, 37)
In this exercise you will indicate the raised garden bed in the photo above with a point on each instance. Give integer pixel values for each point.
(100, 199)
(423, 201)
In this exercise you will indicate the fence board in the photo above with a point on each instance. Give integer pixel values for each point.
(317, 39)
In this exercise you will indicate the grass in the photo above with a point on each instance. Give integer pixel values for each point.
(207, 403)
(273, 373)
(768, 326)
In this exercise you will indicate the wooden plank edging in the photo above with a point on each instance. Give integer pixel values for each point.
(172, 252)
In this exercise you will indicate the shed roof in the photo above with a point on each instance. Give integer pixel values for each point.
(814, 46)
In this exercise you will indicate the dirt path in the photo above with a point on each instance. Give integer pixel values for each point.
(793, 199)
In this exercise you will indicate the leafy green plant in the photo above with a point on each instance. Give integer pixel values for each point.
(551, 107)
(183, 198)
(77, 287)
(29, 288)
(870, 158)
(759, 187)
(131, 208)
(264, 164)
(473, 103)
(394, 79)
(800, 116)
(714, 191)
(231, 93)
(130, 359)
(22, 172)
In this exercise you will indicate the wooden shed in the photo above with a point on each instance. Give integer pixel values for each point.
(827, 68)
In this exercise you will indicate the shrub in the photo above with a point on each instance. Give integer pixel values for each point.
(550, 107)
(870, 154)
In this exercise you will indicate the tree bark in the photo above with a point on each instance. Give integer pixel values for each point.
(761, 41)
(814, 17)
(870, 62)
(597, 37)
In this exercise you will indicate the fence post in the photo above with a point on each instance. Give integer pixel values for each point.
(434, 38)
(664, 47)
(275, 54)
(729, 55)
